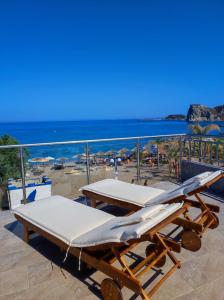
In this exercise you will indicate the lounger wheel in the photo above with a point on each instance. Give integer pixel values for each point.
(155, 251)
(191, 241)
(110, 290)
(215, 222)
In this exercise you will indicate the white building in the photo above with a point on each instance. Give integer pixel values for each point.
(36, 189)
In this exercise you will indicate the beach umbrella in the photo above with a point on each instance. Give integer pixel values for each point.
(62, 159)
(100, 154)
(128, 153)
(145, 151)
(110, 153)
(134, 149)
(83, 155)
(122, 151)
(39, 160)
(50, 158)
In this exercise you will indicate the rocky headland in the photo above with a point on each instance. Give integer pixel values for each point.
(178, 117)
(198, 113)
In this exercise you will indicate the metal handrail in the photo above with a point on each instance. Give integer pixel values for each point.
(91, 141)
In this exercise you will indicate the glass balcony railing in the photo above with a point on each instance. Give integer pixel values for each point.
(62, 168)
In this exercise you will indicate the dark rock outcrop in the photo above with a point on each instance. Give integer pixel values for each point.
(220, 112)
(176, 117)
(197, 113)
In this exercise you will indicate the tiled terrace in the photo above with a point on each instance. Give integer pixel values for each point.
(33, 271)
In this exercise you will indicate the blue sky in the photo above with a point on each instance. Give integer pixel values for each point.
(72, 60)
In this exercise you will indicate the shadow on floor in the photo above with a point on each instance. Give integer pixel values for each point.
(56, 257)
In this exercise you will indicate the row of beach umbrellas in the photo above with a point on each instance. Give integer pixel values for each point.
(122, 153)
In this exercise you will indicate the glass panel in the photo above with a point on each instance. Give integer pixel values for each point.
(114, 159)
(63, 167)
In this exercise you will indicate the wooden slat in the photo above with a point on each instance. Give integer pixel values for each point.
(186, 224)
(113, 201)
(175, 246)
(165, 222)
(212, 207)
(152, 264)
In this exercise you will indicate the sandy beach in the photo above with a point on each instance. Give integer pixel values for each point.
(68, 181)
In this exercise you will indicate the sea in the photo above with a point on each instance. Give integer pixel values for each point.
(57, 131)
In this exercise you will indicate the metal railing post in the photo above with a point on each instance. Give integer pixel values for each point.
(210, 155)
(222, 151)
(189, 149)
(194, 149)
(115, 168)
(217, 153)
(199, 149)
(87, 164)
(180, 157)
(184, 148)
(157, 153)
(205, 150)
(138, 162)
(23, 174)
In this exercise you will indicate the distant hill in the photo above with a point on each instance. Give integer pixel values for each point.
(198, 112)
(176, 117)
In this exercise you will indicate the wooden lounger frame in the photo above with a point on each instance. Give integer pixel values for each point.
(96, 199)
(103, 256)
(193, 228)
(207, 217)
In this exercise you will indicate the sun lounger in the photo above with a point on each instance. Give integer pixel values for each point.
(100, 239)
(133, 197)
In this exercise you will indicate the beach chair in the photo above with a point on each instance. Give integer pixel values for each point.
(133, 197)
(99, 239)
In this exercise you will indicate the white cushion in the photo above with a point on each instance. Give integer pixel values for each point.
(186, 187)
(123, 191)
(123, 229)
(81, 226)
(145, 196)
(167, 196)
(62, 217)
(203, 178)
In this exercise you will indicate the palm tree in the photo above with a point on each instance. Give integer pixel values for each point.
(122, 152)
(203, 130)
(173, 155)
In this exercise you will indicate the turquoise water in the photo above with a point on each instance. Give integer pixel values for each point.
(37, 132)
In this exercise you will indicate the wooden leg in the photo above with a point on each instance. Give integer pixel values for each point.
(213, 221)
(26, 234)
(93, 203)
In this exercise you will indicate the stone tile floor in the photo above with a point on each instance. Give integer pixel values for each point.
(36, 271)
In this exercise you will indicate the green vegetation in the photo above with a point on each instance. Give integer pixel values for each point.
(200, 130)
(9, 160)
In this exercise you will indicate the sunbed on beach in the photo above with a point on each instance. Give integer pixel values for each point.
(134, 197)
(100, 239)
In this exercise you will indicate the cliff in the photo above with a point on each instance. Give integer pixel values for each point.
(197, 113)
